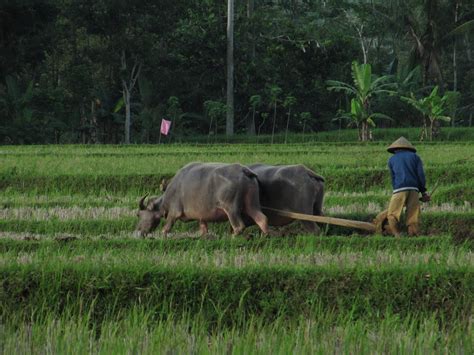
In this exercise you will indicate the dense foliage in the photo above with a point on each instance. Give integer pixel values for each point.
(69, 70)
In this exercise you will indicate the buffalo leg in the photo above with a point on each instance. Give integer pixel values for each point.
(311, 227)
(260, 219)
(203, 228)
(252, 209)
(168, 225)
(236, 222)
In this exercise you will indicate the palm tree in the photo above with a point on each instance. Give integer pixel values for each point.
(365, 87)
(423, 23)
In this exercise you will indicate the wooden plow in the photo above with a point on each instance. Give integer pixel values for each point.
(377, 226)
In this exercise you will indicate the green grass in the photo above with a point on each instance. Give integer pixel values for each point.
(224, 254)
(165, 159)
(114, 170)
(73, 280)
(137, 332)
(17, 243)
(446, 198)
(262, 291)
(337, 179)
(435, 223)
(344, 135)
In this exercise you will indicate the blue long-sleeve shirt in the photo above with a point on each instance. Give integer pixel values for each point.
(407, 172)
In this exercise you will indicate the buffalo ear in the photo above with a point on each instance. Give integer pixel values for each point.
(141, 203)
(153, 204)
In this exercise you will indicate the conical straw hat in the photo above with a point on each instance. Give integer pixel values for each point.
(401, 143)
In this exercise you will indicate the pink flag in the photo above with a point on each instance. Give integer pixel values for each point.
(165, 126)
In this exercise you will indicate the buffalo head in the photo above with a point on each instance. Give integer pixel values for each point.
(149, 215)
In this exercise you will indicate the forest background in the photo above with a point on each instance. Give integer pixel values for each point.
(71, 71)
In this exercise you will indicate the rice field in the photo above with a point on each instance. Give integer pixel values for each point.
(75, 279)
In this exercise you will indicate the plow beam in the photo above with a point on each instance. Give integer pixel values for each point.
(370, 227)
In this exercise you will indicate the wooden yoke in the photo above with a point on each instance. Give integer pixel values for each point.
(370, 227)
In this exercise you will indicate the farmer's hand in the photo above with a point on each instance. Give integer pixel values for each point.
(425, 197)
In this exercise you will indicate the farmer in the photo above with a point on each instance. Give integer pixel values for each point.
(408, 180)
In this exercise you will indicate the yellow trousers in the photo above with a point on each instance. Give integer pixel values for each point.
(410, 199)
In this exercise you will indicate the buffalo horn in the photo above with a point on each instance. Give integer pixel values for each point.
(141, 204)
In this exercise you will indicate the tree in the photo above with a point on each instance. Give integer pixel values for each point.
(215, 110)
(289, 102)
(274, 93)
(255, 102)
(129, 79)
(264, 118)
(357, 24)
(433, 108)
(365, 87)
(124, 51)
(173, 111)
(15, 108)
(73, 52)
(424, 24)
(305, 117)
(149, 114)
(230, 68)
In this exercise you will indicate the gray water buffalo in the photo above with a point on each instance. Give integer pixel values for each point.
(290, 187)
(206, 192)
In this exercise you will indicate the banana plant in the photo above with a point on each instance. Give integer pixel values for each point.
(359, 118)
(433, 108)
(364, 88)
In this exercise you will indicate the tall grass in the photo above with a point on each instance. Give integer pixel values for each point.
(432, 223)
(81, 285)
(451, 256)
(119, 171)
(166, 159)
(136, 331)
(12, 243)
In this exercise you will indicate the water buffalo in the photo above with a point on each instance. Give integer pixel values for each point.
(290, 187)
(207, 192)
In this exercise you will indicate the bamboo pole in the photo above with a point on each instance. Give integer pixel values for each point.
(370, 227)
